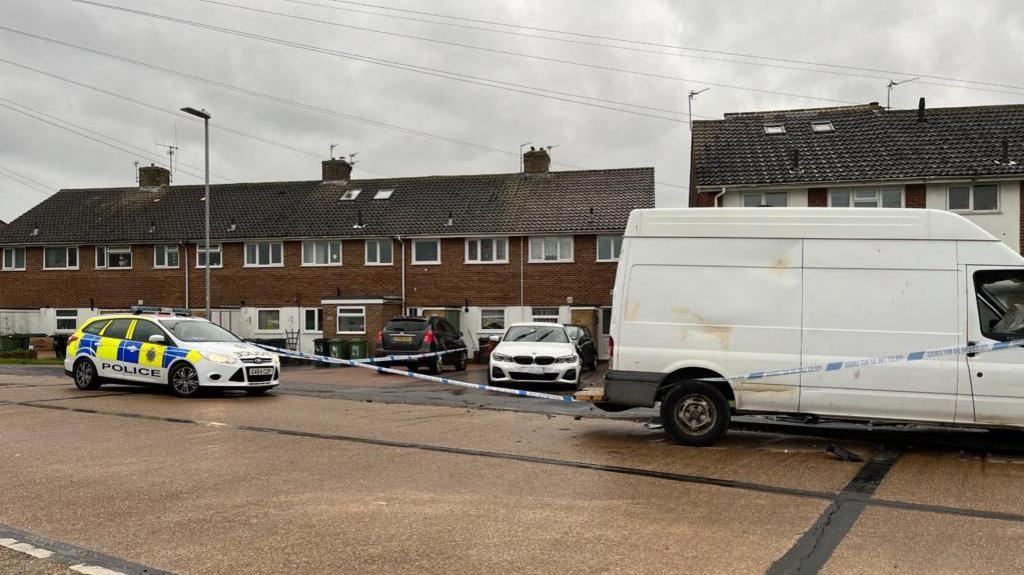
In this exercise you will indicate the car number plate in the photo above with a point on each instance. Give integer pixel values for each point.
(261, 371)
(401, 338)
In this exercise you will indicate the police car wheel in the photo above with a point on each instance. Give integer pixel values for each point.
(85, 375)
(185, 381)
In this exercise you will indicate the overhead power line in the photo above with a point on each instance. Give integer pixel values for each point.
(26, 181)
(677, 47)
(525, 55)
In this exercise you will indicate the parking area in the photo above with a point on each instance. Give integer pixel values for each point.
(346, 471)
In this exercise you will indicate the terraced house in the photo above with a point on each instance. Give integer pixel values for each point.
(332, 257)
(969, 160)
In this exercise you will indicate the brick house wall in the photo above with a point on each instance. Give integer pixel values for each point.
(376, 316)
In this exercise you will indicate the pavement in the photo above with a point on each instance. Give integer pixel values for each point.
(345, 471)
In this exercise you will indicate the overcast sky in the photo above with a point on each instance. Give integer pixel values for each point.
(979, 41)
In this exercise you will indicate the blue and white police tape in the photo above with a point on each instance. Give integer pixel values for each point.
(399, 358)
(874, 361)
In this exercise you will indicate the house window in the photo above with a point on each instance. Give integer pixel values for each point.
(378, 252)
(767, 199)
(823, 126)
(866, 198)
(545, 314)
(67, 319)
(426, 251)
(14, 259)
(165, 256)
(114, 257)
(61, 258)
(487, 251)
(351, 320)
(551, 249)
(383, 194)
(268, 320)
(608, 248)
(350, 195)
(775, 130)
(493, 319)
(264, 254)
(977, 198)
(321, 253)
(215, 256)
(312, 320)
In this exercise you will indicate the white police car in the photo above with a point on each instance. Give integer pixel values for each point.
(164, 346)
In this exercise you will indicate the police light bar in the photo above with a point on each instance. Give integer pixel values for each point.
(178, 311)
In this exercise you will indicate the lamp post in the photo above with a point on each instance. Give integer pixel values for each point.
(206, 134)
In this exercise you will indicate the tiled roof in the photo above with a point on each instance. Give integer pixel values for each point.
(869, 143)
(574, 201)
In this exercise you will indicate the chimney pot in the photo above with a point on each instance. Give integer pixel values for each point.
(153, 176)
(536, 161)
(920, 110)
(336, 171)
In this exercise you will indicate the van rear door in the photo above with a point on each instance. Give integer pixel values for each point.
(995, 312)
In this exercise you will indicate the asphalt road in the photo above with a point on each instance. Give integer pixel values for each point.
(345, 471)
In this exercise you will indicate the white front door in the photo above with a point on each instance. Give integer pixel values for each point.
(995, 312)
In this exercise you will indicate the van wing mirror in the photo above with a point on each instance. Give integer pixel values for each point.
(157, 338)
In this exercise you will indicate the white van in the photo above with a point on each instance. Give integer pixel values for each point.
(714, 293)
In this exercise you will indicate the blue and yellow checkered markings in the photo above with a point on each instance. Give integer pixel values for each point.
(86, 345)
(173, 353)
(128, 351)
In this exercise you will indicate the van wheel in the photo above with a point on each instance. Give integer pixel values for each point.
(185, 381)
(695, 414)
(85, 375)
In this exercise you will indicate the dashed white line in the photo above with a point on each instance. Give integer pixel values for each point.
(94, 570)
(37, 552)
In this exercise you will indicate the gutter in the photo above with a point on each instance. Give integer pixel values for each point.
(720, 194)
(1006, 178)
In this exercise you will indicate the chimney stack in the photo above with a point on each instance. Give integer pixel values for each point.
(153, 176)
(336, 171)
(920, 111)
(536, 161)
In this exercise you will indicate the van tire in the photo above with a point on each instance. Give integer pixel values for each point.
(695, 414)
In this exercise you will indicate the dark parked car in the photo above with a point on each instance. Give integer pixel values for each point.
(409, 335)
(585, 346)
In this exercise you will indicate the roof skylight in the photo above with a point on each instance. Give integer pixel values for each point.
(350, 195)
(383, 194)
(823, 126)
(775, 129)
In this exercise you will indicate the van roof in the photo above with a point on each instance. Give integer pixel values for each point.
(832, 223)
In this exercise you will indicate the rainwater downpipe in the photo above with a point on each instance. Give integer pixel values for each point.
(522, 288)
(184, 248)
(404, 308)
(718, 195)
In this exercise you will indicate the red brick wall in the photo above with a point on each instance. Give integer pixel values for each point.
(817, 197)
(376, 316)
(703, 199)
(914, 195)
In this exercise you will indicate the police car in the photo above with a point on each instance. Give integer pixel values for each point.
(168, 347)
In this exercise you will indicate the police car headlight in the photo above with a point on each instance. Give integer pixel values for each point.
(220, 358)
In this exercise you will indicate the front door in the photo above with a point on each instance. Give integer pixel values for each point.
(604, 329)
(995, 313)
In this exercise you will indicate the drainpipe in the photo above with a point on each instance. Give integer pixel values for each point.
(404, 308)
(718, 195)
(184, 247)
(522, 288)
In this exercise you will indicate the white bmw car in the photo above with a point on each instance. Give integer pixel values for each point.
(535, 353)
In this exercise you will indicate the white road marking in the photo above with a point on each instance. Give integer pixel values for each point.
(37, 552)
(94, 570)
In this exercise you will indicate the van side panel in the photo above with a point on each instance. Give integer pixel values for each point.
(728, 305)
(866, 298)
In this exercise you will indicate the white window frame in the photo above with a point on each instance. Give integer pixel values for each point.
(417, 262)
(384, 194)
(167, 248)
(270, 254)
(544, 318)
(379, 242)
(822, 126)
(264, 309)
(13, 250)
(346, 311)
(763, 199)
(774, 129)
(350, 195)
(313, 243)
(533, 259)
(58, 318)
(117, 249)
(494, 250)
(612, 239)
(214, 249)
(319, 315)
(878, 195)
(970, 198)
(78, 257)
(504, 320)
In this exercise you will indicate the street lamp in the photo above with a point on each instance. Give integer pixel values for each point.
(206, 132)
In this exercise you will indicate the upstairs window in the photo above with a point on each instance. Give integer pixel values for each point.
(378, 252)
(383, 194)
(114, 257)
(608, 248)
(775, 130)
(215, 256)
(767, 199)
(14, 259)
(866, 198)
(321, 253)
(264, 254)
(822, 126)
(976, 198)
(426, 251)
(350, 195)
(487, 251)
(551, 249)
(60, 258)
(165, 256)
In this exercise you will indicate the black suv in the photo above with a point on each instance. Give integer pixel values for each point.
(585, 346)
(409, 335)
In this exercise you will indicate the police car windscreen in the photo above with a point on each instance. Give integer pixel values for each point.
(198, 331)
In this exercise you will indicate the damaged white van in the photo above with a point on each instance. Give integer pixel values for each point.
(702, 294)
